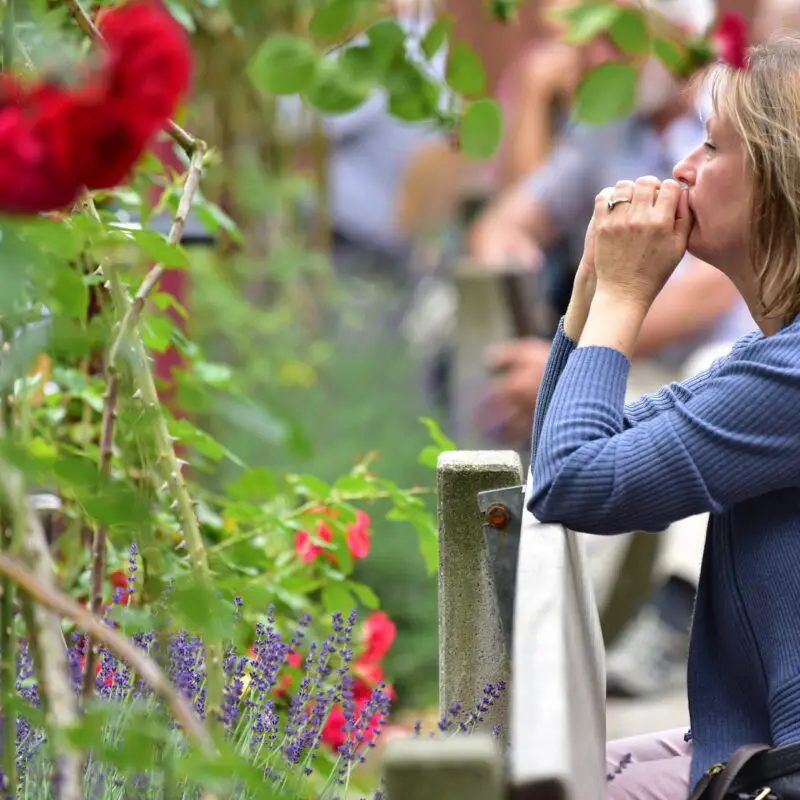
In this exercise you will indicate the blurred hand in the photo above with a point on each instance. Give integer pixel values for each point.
(497, 243)
(507, 412)
(552, 70)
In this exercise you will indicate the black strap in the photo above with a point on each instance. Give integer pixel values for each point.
(716, 787)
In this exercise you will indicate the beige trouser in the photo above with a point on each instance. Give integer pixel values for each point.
(681, 545)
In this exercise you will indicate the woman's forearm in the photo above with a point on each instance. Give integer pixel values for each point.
(614, 321)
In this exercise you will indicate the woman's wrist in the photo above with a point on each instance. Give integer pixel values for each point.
(579, 304)
(614, 320)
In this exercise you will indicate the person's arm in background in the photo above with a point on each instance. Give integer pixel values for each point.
(687, 306)
(538, 210)
(546, 76)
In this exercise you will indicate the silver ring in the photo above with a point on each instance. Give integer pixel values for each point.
(616, 201)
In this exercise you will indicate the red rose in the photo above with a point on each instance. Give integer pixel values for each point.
(379, 633)
(150, 63)
(55, 140)
(731, 39)
(358, 535)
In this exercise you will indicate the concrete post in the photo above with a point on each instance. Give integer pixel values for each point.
(461, 768)
(471, 652)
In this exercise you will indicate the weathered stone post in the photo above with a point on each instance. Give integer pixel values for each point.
(471, 652)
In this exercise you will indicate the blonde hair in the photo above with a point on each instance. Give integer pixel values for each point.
(762, 102)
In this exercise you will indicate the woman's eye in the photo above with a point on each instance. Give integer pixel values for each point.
(709, 146)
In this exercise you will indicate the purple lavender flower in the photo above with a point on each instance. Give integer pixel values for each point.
(133, 567)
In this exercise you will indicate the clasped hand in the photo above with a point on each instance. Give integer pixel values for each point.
(640, 241)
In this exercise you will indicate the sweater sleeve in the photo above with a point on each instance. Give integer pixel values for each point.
(675, 394)
(729, 443)
(560, 351)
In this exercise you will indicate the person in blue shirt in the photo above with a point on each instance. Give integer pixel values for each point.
(724, 443)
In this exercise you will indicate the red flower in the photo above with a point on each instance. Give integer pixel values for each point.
(358, 535)
(731, 39)
(379, 633)
(119, 583)
(334, 734)
(307, 550)
(55, 140)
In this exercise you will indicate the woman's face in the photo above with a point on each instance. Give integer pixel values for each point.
(720, 196)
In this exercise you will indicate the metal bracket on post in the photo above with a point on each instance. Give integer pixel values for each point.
(503, 511)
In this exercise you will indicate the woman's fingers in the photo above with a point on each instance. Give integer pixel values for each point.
(668, 197)
(645, 191)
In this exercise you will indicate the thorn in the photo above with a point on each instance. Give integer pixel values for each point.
(137, 394)
(164, 487)
(181, 462)
(173, 505)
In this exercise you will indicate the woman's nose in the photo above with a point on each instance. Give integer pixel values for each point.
(684, 172)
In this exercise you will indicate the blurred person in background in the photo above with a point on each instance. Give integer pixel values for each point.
(696, 318)
(370, 153)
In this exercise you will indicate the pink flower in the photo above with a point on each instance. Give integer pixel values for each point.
(358, 535)
(731, 39)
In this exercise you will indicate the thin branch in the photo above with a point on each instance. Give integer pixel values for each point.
(155, 274)
(49, 648)
(182, 137)
(144, 666)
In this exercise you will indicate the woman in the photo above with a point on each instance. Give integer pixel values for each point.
(726, 442)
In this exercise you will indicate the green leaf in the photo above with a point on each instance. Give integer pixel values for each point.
(589, 20)
(387, 37)
(355, 484)
(333, 90)
(199, 609)
(333, 18)
(606, 93)
(465, 72)
(437, 435)
(256, 484)
(629, 31)
(283, 64)
(412, 95)
(481, 129)
(157, 332)
(337, 597)
(670, 53)
(365, 595)
(198, 439)
(160, 250)
(363, 64)
(436, 37)
(413, 511)
(70, 292)
(309, 485)
(429, 456)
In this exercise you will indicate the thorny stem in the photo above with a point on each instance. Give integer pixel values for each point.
(99, 545)
(175, 236)
(180, 136)
(169, 470)
(51, 598)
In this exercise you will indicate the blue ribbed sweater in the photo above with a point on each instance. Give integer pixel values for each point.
(726, 442)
